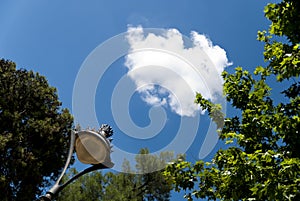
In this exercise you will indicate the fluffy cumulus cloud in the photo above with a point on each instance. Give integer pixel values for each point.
(168, 68)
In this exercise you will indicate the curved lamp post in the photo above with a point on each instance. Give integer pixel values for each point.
(91, 147)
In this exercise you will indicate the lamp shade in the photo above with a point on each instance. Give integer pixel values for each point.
(93, 148)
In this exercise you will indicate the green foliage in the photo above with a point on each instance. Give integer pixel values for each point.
(142, 184)
(284, 58)
(266, 163)
(33, 133)
(86, 187)
(154, 186)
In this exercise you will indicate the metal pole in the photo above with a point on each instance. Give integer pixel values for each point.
(57, 188)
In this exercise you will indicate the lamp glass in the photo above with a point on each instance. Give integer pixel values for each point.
(92, 148)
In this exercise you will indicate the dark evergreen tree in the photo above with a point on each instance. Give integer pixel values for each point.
(34, 133)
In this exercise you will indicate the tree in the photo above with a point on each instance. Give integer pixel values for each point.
(34, 132)
(86, 187)
(263, 162)
(132, 186)
(153, 184)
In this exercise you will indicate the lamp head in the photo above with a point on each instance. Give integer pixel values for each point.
(93, 147)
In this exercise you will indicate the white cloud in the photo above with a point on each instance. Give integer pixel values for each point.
(153, 95)
(168, 73)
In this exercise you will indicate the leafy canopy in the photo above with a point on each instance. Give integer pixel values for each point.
(265, 164)
(132, 185)
(33, 133)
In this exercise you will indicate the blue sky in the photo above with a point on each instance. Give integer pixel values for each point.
(55, 38)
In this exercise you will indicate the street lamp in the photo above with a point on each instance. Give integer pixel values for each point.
(91, 147)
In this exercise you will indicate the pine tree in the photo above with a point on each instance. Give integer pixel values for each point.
(34, 132)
